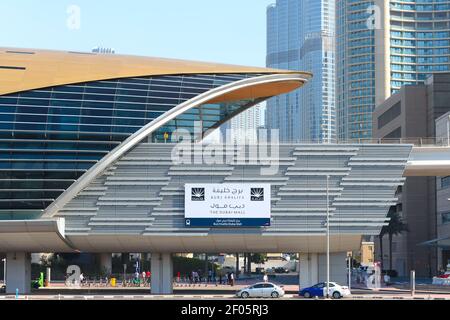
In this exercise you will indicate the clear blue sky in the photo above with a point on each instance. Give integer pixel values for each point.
(228, 31)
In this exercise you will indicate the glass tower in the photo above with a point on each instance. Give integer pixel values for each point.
(244, 127)
(300, 36)
(381, 46)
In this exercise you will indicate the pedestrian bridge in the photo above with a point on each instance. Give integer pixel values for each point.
(431, 161)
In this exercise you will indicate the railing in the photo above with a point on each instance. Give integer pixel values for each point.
(414, 141)
(418, 142)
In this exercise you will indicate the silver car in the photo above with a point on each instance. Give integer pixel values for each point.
(261, 290)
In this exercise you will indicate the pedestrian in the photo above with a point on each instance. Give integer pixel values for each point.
(387, 279)
(209, 276)
(81, 278)
(144, 276)
(265, 278)
(137, 276)
(194, 276)
(232, 279)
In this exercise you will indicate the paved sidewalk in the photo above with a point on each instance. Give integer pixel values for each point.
(425, 289)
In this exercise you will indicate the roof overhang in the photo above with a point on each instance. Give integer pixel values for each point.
(46, 235)
(28, 69)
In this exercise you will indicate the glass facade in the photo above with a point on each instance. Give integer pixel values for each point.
(445, 217)
(445, 182)
(418, 45)
(420, 40)
(300, 36)
(49, 137)
(355, 80)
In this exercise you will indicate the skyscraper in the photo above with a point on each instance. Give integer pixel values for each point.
(381, 46)
(300, 36)
(244, 127)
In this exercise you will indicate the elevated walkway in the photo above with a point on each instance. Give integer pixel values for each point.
(433, 161)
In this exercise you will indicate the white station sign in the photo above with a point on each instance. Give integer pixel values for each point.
(227, 205)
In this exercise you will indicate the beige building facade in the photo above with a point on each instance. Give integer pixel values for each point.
(410, 115)
(443, 200)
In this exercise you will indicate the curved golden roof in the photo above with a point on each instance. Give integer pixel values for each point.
(27, 69)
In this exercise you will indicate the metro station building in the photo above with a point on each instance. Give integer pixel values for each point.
(86, 166)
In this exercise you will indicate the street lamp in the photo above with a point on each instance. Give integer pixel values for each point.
(124, 274)
(328, 239)
(350, 257)
(4, 271)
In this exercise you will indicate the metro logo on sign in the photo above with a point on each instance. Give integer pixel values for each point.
(198, 194)
(227, 205)
(257, 194)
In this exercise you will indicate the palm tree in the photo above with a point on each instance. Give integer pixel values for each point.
(396, 226)
(383, 232)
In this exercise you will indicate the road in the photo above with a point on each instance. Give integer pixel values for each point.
(205, 293)
(58, 290)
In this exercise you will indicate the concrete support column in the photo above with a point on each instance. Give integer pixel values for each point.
(18, 272)
(162, 273)
(338, 268)
(125, 258)
(308, 269)
(106, 262)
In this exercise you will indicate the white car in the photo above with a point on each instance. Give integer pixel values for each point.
(336, 291)
(261, 290)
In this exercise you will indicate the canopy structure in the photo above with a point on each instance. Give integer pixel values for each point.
(34, 236)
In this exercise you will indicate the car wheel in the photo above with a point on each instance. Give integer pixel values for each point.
(307, 295)
(336, 295)
(244, 295)
(274, 295)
